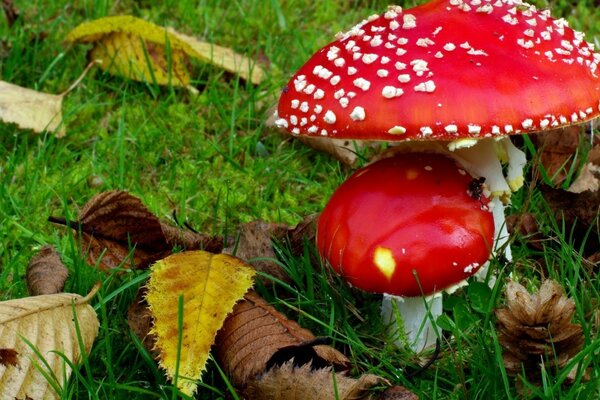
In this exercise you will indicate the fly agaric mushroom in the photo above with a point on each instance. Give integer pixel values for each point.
(467, 73)
(410, 226)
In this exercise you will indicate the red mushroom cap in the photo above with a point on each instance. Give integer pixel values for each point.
(446, 70)
(412, 214)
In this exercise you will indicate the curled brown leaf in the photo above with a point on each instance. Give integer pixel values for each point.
(290, 382)
(253, 333)
(46, 274)
(117, 230)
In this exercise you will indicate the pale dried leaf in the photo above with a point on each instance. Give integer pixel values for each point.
(254, 333)
(303, 383)
(47, 322)
(46, 274)
(30, 109)
(208, 285)
(587, 180)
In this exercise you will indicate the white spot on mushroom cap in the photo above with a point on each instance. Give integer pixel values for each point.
(281, 123)
(352, 70)
(362, 83)
(426, 131)
(369, 58)
(358, 114)
(403, 78)
(449, 47)
(427, 86)
(329, 117)
(451, 128)
(390, 92)
(409, 21)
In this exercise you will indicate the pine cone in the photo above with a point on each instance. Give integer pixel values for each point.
(536, 329)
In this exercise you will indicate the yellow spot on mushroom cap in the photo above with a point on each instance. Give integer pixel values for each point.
(412, 174)
(384, 260)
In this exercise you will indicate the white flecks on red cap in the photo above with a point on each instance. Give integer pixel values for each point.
(428, 52)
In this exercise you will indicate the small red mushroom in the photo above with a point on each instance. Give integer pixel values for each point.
(410, 225)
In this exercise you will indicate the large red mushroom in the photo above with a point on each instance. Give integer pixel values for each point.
(458, 77)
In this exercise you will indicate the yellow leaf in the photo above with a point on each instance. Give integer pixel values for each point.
(137, 49)
(30, 109)
(47, 323)
(209, 285)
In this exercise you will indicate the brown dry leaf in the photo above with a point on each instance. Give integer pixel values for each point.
(30, 109)
(139, 319)
(254, 333)
(115, 222)
(255, 242)
(204, 287)
(47, 322)
(557, 148)
(10, 12)
(137, 49)
(46, 274)
(304, 231)
(578, 211)
(398, 393)
(526, 225)
(289, 382)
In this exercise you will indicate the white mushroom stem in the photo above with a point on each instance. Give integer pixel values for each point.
(481, 158)
(416, 315)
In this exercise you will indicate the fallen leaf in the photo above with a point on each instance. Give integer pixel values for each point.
(254, 333)
(587, 180)
(140, 50)
(208, 285)
(578, 212)
(47, 323)
(255, 245)
(527, 226)
(139, 319)
(115, 222)
(46, 274)
(10, 12)
(29, 109)
(556, 149)
(304, 232)
(289, 382)
(398, 393)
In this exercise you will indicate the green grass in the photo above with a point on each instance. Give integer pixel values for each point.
(210, 158)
